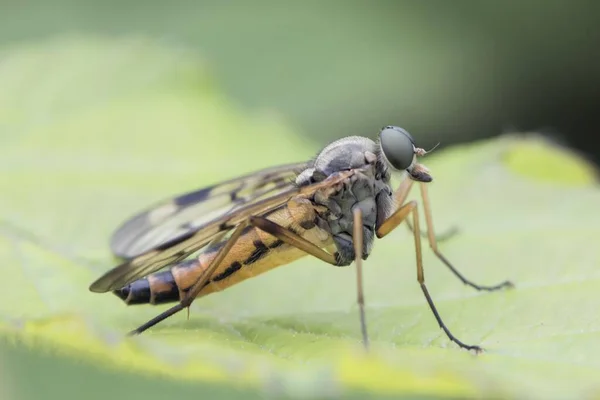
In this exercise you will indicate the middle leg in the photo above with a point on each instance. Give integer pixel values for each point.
(386, 227)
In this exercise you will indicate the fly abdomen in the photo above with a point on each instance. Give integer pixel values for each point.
(137, 292)
(157, 288)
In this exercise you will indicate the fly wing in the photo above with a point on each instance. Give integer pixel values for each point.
(183, 245)
(183, 215)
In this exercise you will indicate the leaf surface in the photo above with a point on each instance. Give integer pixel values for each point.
(94, 130)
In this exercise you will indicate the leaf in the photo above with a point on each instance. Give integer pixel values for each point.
(119, 124)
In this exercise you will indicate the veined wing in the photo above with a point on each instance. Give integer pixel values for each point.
(181, 216)
(179, 248)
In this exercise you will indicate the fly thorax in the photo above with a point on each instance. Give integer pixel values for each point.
(359, 191)
(362, 190)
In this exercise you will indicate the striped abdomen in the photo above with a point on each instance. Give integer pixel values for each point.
(254, 253)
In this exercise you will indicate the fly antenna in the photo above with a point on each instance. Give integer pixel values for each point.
(433, 148)
(421, 152)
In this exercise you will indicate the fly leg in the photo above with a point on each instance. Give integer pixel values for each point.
(357, 237)
(297, 241)
(264, 224)
(198, 285)
(400, 197)
(434, 248)
(389, 225)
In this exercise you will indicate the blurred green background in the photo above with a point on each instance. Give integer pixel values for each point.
(447, 71)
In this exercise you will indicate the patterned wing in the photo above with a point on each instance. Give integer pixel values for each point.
(181, 216)
(182, 246)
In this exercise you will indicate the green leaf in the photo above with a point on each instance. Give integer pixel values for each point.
(95, 129)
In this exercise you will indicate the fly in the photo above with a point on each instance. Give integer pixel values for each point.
(331, 207)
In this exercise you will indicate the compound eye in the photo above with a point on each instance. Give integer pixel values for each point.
(397, 146)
